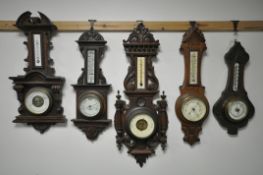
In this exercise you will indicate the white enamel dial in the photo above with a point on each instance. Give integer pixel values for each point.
(193, 109)
(90, 105)
(37, 100)
(142, 126)
(237, 109)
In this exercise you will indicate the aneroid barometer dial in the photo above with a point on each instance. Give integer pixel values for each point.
(92, 88)
(90, 105)
(233, 109)
(192, 107)
(38, 100)
(141, 125)
(39, 90)
(237, 109)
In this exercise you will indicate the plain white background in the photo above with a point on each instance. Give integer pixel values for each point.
(65, 150)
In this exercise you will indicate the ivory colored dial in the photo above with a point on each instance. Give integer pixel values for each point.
(237, 109)
(37, 100)
(90, 105)
(142, 126)
(194, 109)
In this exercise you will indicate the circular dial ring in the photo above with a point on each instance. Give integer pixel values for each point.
(91, 104)
(38, 100)
(194, 108)
(141, 123)
(236, 109)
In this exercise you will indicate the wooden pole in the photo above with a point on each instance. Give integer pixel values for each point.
(160, 26)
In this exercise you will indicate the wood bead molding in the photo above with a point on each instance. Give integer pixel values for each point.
(160, 26)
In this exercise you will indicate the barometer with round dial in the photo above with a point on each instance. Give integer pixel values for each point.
(192, 107)
(141, 125)
(90, 105)
(39, 91)
(38, 100)
(233, 109)
(92, 88)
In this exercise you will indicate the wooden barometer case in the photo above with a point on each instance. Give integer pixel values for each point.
(141, 125)
(92, 88)
(39, 91)
(233, 109)
(192, 107)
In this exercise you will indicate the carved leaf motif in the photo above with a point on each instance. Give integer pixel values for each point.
(129, 82)
(191, 134)
(141, 34)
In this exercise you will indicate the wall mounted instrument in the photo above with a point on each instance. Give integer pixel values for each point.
(141, 125)
(92, 88)
(233, 109)
(39, 91)
(192, 107)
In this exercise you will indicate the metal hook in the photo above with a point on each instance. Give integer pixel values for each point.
(193, 24)
(92, 22)
(235, 28)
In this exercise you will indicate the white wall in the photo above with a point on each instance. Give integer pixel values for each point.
(65, 149)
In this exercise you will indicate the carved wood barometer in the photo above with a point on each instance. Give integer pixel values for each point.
(39, 91)
(192, 107)
(92, 88)
(233, 109)
(141, 125)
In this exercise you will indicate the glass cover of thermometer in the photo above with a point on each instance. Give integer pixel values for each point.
(37, 50)
(141, 73)
(235, 77)
(193, 67)
(91, 66)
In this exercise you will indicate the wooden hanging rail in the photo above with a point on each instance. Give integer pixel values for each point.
(168, 26)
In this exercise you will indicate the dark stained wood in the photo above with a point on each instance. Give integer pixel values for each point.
(193, 40)
(39, 76)
(141, 43)
(92, 126)
(236, 54)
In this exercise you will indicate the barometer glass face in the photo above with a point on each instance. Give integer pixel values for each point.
(140, 72)
(37, 50)
(193, 67)
(237, 110)
(90, 105)
(37, 100)
(142, 126)
(91, 66)
(193, 109)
